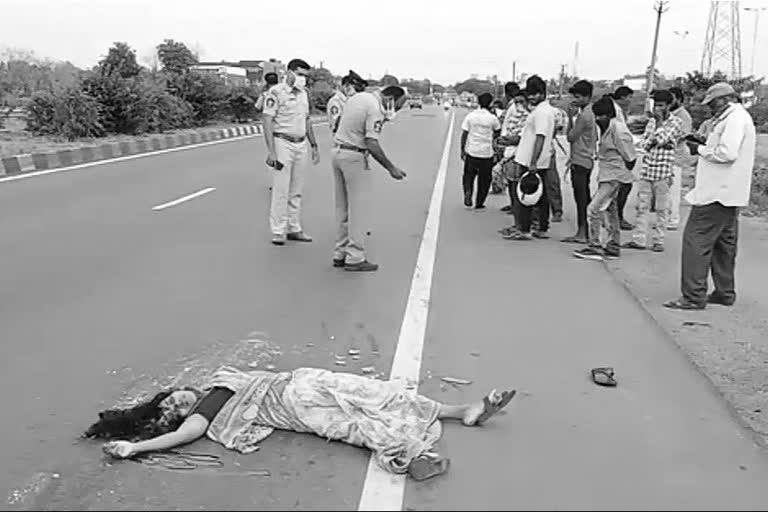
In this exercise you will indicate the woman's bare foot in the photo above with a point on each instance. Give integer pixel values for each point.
(474, 411)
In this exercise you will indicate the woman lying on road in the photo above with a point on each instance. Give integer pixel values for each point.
(240, 409)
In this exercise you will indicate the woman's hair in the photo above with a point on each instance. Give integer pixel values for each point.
(143, 421)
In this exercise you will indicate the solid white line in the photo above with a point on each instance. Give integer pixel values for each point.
(383, 490)
(133, 157)
(183, 199)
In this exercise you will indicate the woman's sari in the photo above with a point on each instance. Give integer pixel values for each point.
(397, 425)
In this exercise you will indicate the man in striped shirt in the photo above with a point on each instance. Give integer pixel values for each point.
(660, 140)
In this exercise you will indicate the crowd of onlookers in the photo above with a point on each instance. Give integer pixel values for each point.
(514, 146)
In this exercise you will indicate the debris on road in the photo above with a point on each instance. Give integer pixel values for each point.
(368, 370)
(454, 380)
(603, 377)
(253, 364)
(696, 324)
(475, 354)
(353, 352)
(271, 367)
(341, 362)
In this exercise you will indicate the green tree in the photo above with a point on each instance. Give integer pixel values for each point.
(175, 57)
(388, 80)
(120, 61)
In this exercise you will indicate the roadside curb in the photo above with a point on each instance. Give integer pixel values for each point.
(758, 437)
(21, 164)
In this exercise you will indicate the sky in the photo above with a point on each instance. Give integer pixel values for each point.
(445, 42)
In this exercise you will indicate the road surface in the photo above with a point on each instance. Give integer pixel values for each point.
(102, 295)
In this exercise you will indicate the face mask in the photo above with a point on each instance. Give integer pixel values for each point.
(299, 81)
(389, 110)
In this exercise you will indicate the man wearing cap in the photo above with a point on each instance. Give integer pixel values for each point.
(287, 129)
(358, 136)
(270, 80)
(723, 185)
(350, 84)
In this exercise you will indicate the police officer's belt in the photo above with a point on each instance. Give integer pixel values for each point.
(350, 147)
(290, 138)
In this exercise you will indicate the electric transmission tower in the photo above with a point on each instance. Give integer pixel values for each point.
(722, 47)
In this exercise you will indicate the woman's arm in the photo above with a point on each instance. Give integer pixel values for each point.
(192, 429)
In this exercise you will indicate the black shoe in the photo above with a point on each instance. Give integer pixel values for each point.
(557, 218)
(716, 298)
(299, 237)
(626, 226)
(590, 253)
(480, 207)
(339, 263)
(363, 266)
(468, 201)
(507, 208)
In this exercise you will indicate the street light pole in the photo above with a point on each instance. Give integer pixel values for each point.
(756, 10)
(661, 8)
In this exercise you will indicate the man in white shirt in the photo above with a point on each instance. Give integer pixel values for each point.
(534, 153)
(479, 129)
(622, 97)
(723, 185)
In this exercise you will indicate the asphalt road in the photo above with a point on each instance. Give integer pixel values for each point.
(103, 296)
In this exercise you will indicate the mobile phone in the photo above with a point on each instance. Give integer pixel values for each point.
(277, 165)
(693, 137)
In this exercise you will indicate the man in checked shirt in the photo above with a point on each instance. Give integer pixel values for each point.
(660, 139)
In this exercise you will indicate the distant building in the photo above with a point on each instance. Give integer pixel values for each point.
(230, 74)
(251, 70)
(635, 82)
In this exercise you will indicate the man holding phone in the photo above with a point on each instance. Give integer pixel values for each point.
(287, 129)
(723, 185)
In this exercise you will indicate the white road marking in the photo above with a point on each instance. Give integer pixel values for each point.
(183, 199)
(132, 157)
(383, 490)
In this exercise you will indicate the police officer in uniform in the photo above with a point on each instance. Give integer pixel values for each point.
(350, 84)
(270, 80)
(358, 136)
(289, 137)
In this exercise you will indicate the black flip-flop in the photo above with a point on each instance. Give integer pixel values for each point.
(423, 467)
(491, 409)
(604, 377)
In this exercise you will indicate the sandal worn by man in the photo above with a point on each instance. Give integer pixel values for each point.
(604, 377)
(685, 305)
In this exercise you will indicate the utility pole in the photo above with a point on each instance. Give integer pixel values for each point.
(562, 79)
(514, 71)
(660, 8)
(755, 10)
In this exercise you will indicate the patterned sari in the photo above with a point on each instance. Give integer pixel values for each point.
(395, 424)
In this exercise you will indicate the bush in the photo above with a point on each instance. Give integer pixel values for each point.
(68, 113)
(123, 102)
(206, 94)
(759, 114)
(168, 112)
(242, 103)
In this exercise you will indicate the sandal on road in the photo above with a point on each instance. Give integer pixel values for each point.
(494, 403)
(604, 377)
(425, 467)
